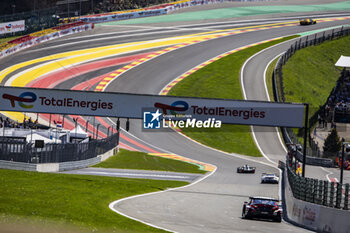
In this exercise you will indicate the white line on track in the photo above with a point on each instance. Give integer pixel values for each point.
(14, 77)
(111, 205)
(266, 91)
(112, 37)
(329, 173)
(135, 174)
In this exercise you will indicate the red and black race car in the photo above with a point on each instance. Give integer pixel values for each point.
(262, 207)
(246, 169)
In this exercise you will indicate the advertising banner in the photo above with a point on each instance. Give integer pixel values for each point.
(14, 26)
(41, 39)
(135, 105)
(122, 16)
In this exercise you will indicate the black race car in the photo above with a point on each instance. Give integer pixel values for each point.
(246, 169)
(262, 207)
(307, 21)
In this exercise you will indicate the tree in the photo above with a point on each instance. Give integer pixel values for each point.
(332, 142)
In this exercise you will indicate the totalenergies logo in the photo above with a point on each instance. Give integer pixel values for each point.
(178, 106)
(8, 27)
(25, 97)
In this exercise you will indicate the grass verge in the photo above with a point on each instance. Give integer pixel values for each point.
(269, 73)
(221, 79)
(310, 74)
(77, 200)
(138, 160)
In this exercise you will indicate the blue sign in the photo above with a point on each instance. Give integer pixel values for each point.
(152, 120)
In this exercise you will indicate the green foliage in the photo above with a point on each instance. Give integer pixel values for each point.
(332, 142)
(138, 160)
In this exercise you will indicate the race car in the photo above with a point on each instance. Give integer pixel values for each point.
(307, 21)
(262, 207)
(246, 169)
(269, 178)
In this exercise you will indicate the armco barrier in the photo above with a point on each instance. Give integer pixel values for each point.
(56, 167)
(28, 41)
(313, 216)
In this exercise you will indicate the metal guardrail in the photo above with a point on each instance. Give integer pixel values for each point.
(321, 192)
(17, 150)
(312, 153)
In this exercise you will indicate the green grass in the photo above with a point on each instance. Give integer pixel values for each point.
(269, 73)
(78, 200)
(310, 74)
(3, 40)
(138, 160)
(221, 79)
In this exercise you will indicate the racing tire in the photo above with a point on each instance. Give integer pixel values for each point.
(244, 216)
(278, 218)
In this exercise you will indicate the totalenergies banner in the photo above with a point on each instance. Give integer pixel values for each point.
(122, 16)
(135, 105)
(15, 26)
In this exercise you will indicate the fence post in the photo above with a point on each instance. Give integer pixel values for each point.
(338, 196)
(315, 40)
(331, 195)
(297, 186)
(346, 197)
(320, 190)
(325, 193)
(307, 41)
(314, 190)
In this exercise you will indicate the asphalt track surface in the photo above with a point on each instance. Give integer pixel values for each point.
(140, 174)
(213, 204)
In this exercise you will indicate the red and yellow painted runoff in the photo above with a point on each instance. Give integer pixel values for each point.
(203, 166)
(113, 75)
(226, 32)
(166, 90)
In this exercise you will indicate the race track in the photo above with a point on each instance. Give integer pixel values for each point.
(212, 204)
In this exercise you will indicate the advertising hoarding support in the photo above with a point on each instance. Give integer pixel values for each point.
(305, 136)
(189, 110)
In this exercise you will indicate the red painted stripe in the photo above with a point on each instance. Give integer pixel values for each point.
(89, 83)
(124, 146)
(51, 80)
(333, 180)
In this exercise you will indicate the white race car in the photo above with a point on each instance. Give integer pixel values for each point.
(269, 178)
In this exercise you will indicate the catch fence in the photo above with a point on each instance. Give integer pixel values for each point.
(18, 150)
(321, 192)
